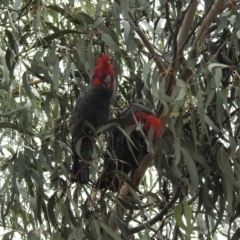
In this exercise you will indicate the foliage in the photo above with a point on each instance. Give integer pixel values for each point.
(180, 58)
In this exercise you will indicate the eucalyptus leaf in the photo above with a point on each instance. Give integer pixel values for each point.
(109, 231)
(192, 170)
(109, 41)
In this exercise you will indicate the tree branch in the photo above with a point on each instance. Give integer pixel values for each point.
(146, 42)
(186, 26)
(160, 215)
(207, 21)
(175, 232)
(139, 173)
(173, 70)
(178, 46)
(230, 4)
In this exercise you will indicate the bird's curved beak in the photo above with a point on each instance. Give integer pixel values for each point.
(107, 81)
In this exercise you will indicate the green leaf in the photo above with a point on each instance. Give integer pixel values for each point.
(223, 163)
(233, 145)
(70, 213)
(213, 65)
(201, 112)
(44, 208)
(57, 9)
(146, 73)
(177, 144)
(81, 50)
(109, 231)
(210, 123)
(192, 170)
(127, 135)
(33, 205)
(210, 97)
(129, 37)
(39, 208)
(76, 233)
(225, 98)
(97, 229)
(56, 75)
(51, 210)
(181, 94)
(188, 215)
(229, 194)
(98, 21)
(178, 214)
(53, 36)
(90, 56)
(15, 127)
(238, 34)
(11, 40)
(109, 41)
(176, 128)
(7, 235)
(33, 235)
(116, 15)
(219, 109)
(218, 77)
(51, 26)
(190, 148)
(114, 123)
(83, 16)
(26, 85)
(162, 94)
(220, 212)
(125, 9)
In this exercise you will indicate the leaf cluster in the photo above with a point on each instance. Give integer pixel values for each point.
(179, 58)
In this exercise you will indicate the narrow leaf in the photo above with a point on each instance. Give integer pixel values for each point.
(51, 210)
(109, 231)
(109, 41)
(192, 170)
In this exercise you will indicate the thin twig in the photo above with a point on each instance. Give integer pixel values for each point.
(230, 4)
(139, 173)
(175, 232)
(160, 215)
(146, 42)
(186, 27)
(207, 21)
(171, 79)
